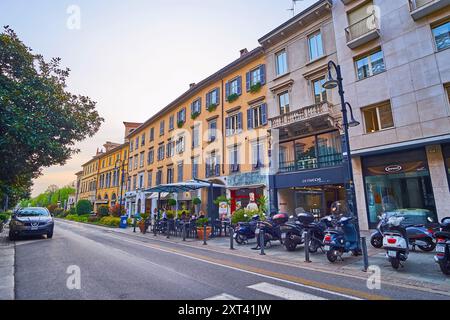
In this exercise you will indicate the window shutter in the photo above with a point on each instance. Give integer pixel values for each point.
(264, 114)
(200, 105)
(227, 126)
(218, 95)
(208, 100)
(239, 85)
(192, 108)
(247, 81)
(263, 74)
(227, 90)
(239, 121)
(249, 119)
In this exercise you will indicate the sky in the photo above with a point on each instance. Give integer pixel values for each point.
(134, 57)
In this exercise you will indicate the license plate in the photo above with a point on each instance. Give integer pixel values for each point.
(440, 249)
(257, 231)
(392, 254)
(283, 236)
(34, 228)
(326, 248)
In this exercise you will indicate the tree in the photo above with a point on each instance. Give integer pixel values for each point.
(84, 207)
(40, 121)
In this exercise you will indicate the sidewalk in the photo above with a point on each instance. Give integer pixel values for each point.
(7, 252)
(420, 271)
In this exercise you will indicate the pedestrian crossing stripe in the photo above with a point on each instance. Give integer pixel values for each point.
(223, 297)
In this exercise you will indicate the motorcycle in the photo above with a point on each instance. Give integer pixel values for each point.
(442, 256)
(271, 228)
(292, 234)
(395, 240)
(418, 235)
(343, 238)
(246, 230)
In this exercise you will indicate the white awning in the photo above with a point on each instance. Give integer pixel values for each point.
(155, 195)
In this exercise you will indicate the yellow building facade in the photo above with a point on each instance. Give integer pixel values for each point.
(88, 182)
(216, 131)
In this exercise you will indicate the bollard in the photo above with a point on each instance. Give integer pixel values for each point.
(204, 235)
(167, 229)
(307, 238)
(134, 224)
(261, 242)
(154, 227)
(231, 231)
(365, 254)
(184, 231)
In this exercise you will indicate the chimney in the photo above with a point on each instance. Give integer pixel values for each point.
(192, 85)
(244, 52)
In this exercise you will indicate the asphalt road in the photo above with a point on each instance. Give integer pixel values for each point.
(120, 266)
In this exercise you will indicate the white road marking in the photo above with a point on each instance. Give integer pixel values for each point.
(282, 292)
(223, 297)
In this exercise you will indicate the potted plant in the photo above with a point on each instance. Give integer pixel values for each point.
(232, 97)
(195, 115)
(255, 88)
(196, 202)
(200, 225)
(180, 124)
(212, 107)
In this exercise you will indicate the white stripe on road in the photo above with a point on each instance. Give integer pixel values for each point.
(282, 292)
(223, 297)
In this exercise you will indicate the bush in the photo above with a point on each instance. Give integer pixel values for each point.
(170, 214)
(117, 210)
(110, 221)
(172, 202)
(200, 222)
(63, 214)
(93, 219)
(72, 210)
(58, 211)
(52, 208)
(103, 211)
(243, 215)
(78, 218)
(4, 217)
(84, 207)
(196, 201)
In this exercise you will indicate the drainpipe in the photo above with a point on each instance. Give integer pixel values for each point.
(223, 125)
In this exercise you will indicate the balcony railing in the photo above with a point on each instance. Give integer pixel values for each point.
(325, 161)
(212, 170)
(363, 31)
(422, 8)
(300, 115)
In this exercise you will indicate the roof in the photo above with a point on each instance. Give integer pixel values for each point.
(294, 20)
(259, 51)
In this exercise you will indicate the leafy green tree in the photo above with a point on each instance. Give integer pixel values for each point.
(40, 121)
(84, 207)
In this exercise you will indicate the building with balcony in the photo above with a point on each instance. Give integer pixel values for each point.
(398, 85)
(304, 119)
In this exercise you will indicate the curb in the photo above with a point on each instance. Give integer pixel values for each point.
(7, 266)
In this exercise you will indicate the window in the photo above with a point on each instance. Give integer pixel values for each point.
(258, 154)
(233, 124)
(141, 181)
(143, 140)
(181, 116)
(131, 145)
(234, 159)
(109, 161)
(137, 143)
(161, 128)
(170, 149)
(130, 164)
(161, 149)
(180, 145)
(196, 136)
(233, 87)
(169, 175)
(320, 94)
(152, 134)
(141, 159)
(212, 98)
(159, 177)
(441, 35)
(212, 165)
(370, 65)
(212, 130)
(378, 118)
(171, 122)
(257, 116)
(134, 182)
(196, 107)
(151, 156)
(136, 162)
(281, 63)
(283, 101)
(315, 46)
(150, 179)
(256, 77)
(195, 162)
(180, 166)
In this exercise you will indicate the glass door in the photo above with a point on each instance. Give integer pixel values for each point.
(312, 201)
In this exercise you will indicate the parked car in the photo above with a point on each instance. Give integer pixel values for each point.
(31, 222)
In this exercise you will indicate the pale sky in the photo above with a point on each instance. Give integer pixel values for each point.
(134, 57)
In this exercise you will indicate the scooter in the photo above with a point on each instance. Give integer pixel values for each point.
(395, 240)
(292, 234)
(343, 238)
(418, 235)
(246, 230)
(271, 229)
(442, 256)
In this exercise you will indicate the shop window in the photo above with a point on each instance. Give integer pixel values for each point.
(441, 35)
(378, 118)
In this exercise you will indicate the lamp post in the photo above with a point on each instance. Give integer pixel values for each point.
(329, 84)
(120, 165)
(210, 194)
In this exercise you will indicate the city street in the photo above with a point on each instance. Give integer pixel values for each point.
(121, 266)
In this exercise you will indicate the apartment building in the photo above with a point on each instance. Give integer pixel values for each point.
(215, 131)
(395, 62)
(88, 183)
(306, 158)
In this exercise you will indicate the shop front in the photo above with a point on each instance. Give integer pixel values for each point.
(241, 186)
(398, 182)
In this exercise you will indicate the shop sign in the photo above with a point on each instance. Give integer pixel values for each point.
(223, 208)
(393, 169)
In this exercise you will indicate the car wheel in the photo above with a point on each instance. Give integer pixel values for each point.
(50, 234)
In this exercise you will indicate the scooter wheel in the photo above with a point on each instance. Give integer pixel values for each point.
(331, 256)
(395, 263)
(429, 247)
(314, 246)
(376, 242)
(240, 239)
(290, 245)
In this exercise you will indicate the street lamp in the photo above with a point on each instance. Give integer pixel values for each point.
(329, 84)
(120, 165)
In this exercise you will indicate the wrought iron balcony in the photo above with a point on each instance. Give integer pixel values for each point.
(422, 8)
(310, 163)
(212, 170)
(363, 31)
(304, 114)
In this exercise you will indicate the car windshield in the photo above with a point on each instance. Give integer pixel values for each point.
(35, 212)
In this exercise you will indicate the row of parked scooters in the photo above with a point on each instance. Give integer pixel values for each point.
(337, 234)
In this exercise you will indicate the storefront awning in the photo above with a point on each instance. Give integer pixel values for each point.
(182, 187)
(253, 186)
(155, 195)
(101, 202)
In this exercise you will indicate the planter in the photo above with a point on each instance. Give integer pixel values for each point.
(200, 232)
(141, 226)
